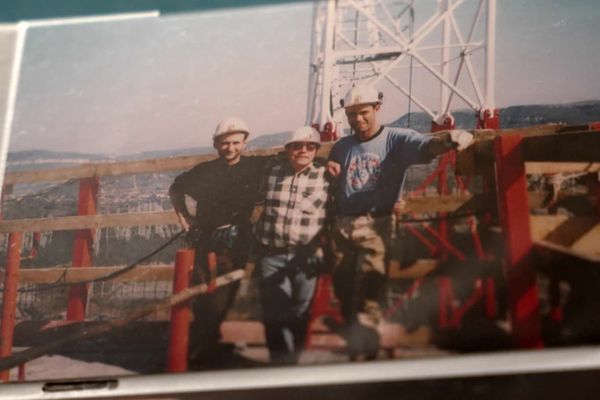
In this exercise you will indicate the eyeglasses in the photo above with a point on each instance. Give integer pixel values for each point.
(300, 146)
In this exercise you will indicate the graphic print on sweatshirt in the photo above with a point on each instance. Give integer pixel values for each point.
(363, 172)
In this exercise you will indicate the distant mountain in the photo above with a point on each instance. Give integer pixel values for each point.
(515, 116)
(266, 141)
(44, 159)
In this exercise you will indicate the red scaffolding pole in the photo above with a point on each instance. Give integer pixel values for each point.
(179, 334)
(9, 298)
(513, 210)
(83, 247)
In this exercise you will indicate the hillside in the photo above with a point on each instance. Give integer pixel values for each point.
(516, 116)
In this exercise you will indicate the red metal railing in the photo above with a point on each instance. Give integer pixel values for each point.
(179, 335)
(9, 297)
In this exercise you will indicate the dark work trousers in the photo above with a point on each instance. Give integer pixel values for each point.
(286, 292)
(211, 309)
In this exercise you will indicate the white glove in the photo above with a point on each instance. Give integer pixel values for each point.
(461, 138)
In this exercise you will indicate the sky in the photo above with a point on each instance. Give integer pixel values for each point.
(164, 83)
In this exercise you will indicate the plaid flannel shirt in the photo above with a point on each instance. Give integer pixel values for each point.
(294, 209)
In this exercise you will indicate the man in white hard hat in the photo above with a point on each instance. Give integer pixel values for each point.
(225, 191)
(295, 197)
(370, 166)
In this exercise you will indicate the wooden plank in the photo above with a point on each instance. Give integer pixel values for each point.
(561, 168)
(159, 272)
(416, 270)
(87, 222)
(562, 229)
(589, 243)
(542, 225)
(420, 205)
(536, 130)
(563, 250)
(448, 203)
(574, 236)
(132, 167)
(185, 162)
(571, 230)
(567, 147)
(542, 145)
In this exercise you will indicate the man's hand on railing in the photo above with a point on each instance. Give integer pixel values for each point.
(461, 139)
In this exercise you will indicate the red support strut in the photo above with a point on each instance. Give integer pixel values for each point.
(444, 164)
(489, 119)
(513, 207)
(212, 271)
(21, 373)
(179, 334)
(82, 249)
(328, 133)
(9, 298)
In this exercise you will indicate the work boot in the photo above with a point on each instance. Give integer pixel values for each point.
(362, 342)
(216, 357)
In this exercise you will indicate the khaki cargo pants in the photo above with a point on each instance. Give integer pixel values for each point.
(359, 273)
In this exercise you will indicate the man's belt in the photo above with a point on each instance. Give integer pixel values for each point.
(268, 251)
(373, 214)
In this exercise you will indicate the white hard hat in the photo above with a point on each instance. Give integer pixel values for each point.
(362, 94)
(231, 125)
(304, 134)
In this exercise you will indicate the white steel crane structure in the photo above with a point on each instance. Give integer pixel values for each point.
(434, 65)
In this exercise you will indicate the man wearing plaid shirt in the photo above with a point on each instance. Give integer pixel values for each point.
(288, 232)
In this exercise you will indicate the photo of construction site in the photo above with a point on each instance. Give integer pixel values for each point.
(245, 186)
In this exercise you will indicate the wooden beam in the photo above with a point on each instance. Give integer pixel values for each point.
(478, 158)
(87, 222)
(159, 272)
(561, 168)
(536, 130)
(438, 204)
(563, 250)
(589, 243)
(416, 270)
(419, 205)
(571, 231)
(561, 229)
(566, 147)
(185, 162)
(542, 225)
(574, 236)
(581, 150)
(132, 167)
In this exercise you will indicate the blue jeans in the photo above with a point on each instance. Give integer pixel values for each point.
(286, 291)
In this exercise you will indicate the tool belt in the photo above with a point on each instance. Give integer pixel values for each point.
(223, 237)
(268, 251)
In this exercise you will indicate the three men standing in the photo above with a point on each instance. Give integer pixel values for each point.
(369, 167)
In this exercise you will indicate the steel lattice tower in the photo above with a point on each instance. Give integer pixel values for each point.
(451, 55)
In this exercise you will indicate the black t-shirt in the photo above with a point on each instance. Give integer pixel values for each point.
(224, 194)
